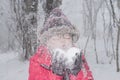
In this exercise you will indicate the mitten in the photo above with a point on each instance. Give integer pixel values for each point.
(77, 65)
(58, 63)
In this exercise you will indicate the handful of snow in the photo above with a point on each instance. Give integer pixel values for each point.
(69, 55)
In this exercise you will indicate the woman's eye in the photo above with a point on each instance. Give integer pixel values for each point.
(67, 36)
(55, 38)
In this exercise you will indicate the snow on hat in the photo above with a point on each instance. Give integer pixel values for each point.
(57, 23)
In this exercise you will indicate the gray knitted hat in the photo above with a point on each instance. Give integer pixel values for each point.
(57, 23)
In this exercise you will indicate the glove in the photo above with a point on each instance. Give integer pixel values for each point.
(77, 65)
(66, 75)
(58, 64)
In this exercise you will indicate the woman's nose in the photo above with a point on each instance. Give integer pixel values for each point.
(63, 41)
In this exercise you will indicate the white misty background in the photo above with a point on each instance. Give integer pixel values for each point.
(97, 20)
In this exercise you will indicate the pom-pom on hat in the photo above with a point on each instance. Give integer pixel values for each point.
(57, 23)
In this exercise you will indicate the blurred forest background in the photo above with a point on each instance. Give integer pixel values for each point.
(98, 21)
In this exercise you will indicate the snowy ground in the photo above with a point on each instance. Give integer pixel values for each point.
(14, 69)
(102, 71)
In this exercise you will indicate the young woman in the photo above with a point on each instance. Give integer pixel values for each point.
(57, 58)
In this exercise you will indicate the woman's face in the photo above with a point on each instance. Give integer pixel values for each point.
(60, 41)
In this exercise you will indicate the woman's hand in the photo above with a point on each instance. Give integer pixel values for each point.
(58, 64)
(77, 65)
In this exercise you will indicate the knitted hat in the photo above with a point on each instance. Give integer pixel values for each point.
(57, 23)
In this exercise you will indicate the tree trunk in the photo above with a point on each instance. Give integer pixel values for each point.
(117, 50)
(115, 21)
(49, 5)
(95, 47)
(118, 3)
(30, 27)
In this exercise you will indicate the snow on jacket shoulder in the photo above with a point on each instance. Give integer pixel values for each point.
(38, 72)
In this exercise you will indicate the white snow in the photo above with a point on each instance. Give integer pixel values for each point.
(12, 68)
(67, 55)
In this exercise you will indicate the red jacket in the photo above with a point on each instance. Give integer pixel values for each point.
(42, 56)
